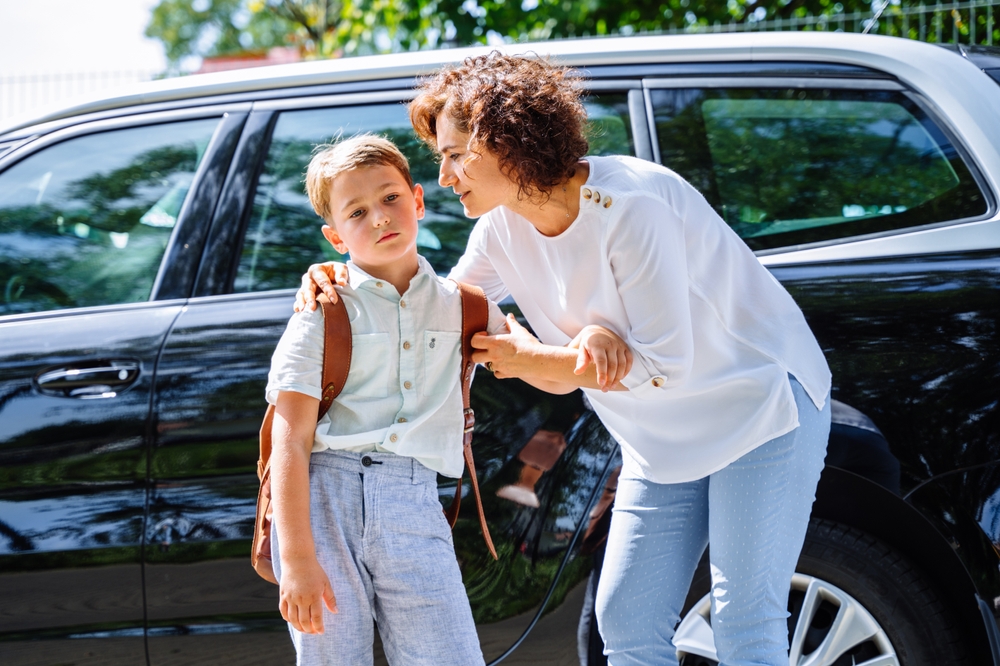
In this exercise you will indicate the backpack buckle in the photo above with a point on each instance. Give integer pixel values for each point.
(470, 419)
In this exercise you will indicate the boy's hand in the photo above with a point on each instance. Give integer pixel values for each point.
(320, 277)
(304, 587)
(606, 350)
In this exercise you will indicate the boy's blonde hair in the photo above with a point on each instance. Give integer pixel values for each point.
(331, 160)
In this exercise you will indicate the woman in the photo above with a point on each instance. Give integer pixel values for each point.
(723, 413)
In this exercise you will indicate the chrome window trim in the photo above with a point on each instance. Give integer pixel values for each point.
(91, 310)
(770, 82)
(640, 125)
(651, 123)
(944, 123)
(303, 103)
(402, 95)
(288, 292)
(119, 122)
(958, 236)
(611, 85)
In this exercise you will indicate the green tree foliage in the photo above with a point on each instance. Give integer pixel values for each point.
(324, 28)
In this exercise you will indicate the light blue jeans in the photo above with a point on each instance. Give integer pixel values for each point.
(386, 547)
(754, 512)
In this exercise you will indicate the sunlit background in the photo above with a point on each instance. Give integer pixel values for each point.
(52, 51)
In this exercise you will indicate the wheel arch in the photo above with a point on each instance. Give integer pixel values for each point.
(850, 499)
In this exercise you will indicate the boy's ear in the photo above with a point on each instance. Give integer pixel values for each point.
(418, 197)
(330, 234)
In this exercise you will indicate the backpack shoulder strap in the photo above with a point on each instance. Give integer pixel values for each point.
(336, 351)
(475, 318)
(336, 365)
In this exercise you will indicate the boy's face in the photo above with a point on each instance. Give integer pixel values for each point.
(374, 217)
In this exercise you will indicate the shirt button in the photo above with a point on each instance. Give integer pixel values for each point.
(607, 202)
(366, 461)
(401, 419)
(393, 437)
(407, 385)
(587, 193)
(657, 382)
(406, 345)
(402, 304)
(379, 285)
(597, 197)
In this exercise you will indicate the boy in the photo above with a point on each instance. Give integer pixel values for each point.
(358, 527)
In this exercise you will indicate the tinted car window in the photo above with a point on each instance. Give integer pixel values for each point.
(791, 166)
(610, 131)
(283, 237)
(86, 221)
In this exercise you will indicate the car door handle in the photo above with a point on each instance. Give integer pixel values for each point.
(104, 378)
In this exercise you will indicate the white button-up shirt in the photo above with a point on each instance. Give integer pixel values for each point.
(403, 391)
(714, 335)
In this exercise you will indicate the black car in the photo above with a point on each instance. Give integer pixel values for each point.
(150, 246)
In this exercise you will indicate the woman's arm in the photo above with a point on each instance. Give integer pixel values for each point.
(555, 369)
(320, 278)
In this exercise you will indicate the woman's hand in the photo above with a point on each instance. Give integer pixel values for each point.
(606, 350)
(499, 353)
(304, 590)
(320, 277)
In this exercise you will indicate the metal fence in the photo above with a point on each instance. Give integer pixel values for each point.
(24, 93)
(970, 22)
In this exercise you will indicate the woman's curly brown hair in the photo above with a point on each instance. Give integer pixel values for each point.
(525, 111)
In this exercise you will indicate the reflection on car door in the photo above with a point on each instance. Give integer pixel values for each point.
(85, 223)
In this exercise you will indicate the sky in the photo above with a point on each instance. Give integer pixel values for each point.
(63, 36)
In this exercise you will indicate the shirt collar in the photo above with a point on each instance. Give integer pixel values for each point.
(358, 277)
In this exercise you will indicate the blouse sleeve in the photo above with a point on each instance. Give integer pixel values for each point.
(474, 267)
(646, 248)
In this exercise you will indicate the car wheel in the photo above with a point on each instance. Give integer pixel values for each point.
(853, 601)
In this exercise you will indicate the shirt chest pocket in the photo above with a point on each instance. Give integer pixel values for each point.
(370, 366)
(442, 358)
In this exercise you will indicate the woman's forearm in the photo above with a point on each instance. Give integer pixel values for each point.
(554, 369)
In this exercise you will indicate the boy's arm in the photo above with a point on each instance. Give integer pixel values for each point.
(304, 584)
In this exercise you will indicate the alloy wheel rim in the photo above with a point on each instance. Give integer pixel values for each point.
(831, 628)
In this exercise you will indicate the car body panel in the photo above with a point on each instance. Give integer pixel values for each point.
(907, 318)
(73, 492)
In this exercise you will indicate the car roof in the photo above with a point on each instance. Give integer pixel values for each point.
(962, 93)
(851, 49)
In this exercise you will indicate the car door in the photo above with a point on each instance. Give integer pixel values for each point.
(203, 597)
(89, 220)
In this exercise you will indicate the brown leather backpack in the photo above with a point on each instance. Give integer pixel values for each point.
(336, 365)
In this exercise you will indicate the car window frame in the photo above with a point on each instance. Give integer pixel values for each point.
(234, 113)
(885, 84)
(220, 263)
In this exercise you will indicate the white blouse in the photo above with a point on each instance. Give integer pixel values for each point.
(713, 333)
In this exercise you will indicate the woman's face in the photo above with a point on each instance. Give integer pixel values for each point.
(474, 176)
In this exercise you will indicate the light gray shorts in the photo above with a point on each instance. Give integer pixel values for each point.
(384, 542)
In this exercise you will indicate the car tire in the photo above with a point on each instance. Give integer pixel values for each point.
(886, 608)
